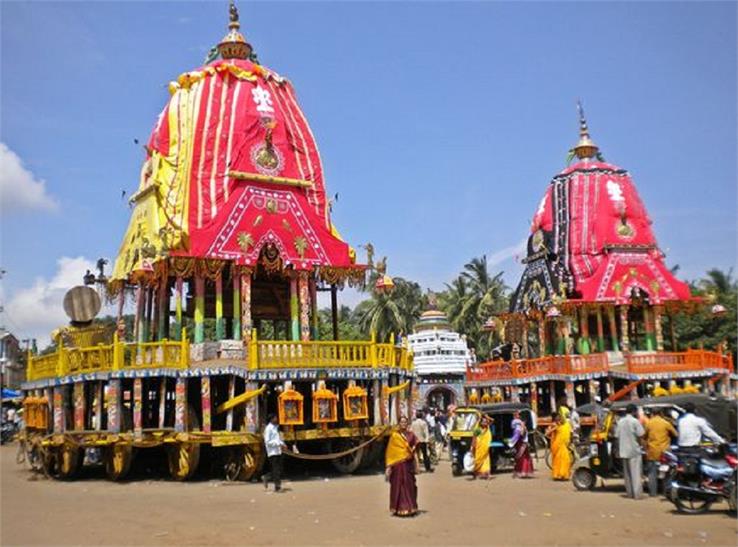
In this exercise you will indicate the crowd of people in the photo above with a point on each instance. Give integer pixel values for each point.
(423, 440)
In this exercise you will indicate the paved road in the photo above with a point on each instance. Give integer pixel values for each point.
(332, 510)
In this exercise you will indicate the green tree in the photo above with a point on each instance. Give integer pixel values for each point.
(703, 328)
(393, 311)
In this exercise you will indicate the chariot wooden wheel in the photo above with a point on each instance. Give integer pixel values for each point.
(251, 460)
(349, 463)
(63, 462)
(118, 459)
(183, 459)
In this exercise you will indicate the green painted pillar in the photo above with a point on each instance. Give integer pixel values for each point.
(236, 304)
(219, 319)
(199, 310)
(613, 328)
(313, 309)
(163, 306)
(583, 344)
(148, 296)
(178, 308)
(650, 338)
(294, 310)
(600, 331)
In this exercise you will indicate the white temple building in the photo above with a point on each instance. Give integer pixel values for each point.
(441, 358)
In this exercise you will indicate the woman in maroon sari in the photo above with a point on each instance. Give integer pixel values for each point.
(523, 461)
(400, 471)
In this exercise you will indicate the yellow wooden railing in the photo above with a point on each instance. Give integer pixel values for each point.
(262, 354)
(268, 354)
(109, 357)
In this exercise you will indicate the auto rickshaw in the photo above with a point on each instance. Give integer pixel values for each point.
(460, 435)
(602, 460)
(502, 414)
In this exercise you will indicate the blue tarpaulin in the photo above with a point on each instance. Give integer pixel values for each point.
(10, 393)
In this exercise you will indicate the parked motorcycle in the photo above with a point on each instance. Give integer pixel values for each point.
(7, 432)
(703, 477)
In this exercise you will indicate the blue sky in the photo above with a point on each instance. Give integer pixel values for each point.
(440, 124)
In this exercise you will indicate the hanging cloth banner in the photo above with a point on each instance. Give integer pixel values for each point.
(240, 399)
(391, 390)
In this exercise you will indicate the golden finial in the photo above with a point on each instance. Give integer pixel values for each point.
(585, 148)
(234, 45)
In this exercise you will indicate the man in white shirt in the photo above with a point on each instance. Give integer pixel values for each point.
(274, 445)
(420, 428)
(692, 429)
(629, 432)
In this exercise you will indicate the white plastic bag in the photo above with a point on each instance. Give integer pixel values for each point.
(468, 462)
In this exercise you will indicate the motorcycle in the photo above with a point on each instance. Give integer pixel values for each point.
(7, 433)
(702, 478)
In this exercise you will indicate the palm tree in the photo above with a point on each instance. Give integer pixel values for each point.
(391, 312)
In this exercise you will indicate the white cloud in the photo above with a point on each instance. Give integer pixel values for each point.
(508, 252)
(19, 188)
(37, 310)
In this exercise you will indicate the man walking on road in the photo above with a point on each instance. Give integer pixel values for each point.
(419, 428)
(629, 433)
(274, 445)
(659, 432)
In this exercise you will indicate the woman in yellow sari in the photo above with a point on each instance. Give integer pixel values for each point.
(400, 471)
(480, 449)
(561, 460)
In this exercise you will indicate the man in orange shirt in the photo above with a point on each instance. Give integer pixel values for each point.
(659, 432)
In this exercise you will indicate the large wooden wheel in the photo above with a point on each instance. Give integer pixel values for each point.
(252, 460)
(118, 458)
(63, 462)
(183, 459)
(349, 463)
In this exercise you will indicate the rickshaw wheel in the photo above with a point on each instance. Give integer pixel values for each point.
(584, 478)
(118, 459)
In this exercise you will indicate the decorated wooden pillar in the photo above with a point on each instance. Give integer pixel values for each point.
(304, 295)
(313, 287)
(231, 394)
(180, 405)
(377, 386)
(409, 400)
(592, 385)
(334, 310)
(552, 395)
(162, 330)
(246, 306)
(138, 330)
(624, 327)
(613, 328)
(600, 331)
(137, 408)
(658, 328)
(534, 397)
(542, 336)
(120, 322)
(205, 400)
(584, 345)
(219, 319)
(251, 410)
(236, 333)
(566, 327)
(115, 406)
(155, 312)
(178, 285)
(648, 324)
(571, 399)
(515, 394)
(148, 305)
(99, 405)
(199, 309)
(79, 406)
(162, 402)
(294, 310)
(58, 405)
(524, 341)
(672, 333)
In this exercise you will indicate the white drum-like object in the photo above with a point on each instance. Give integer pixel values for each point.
(82, 304)
(468, 462)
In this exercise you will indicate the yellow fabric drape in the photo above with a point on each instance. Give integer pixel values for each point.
(481, 451)
(398, 449)
(240, 399)
(560, 456)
